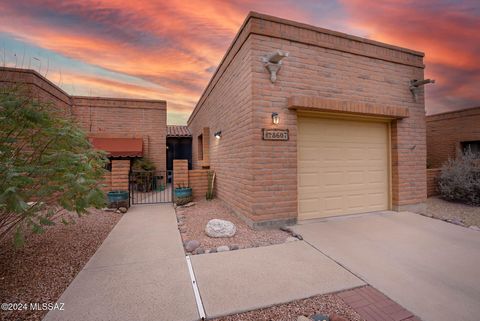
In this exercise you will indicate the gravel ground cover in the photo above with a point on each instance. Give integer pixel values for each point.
(466, 214)
(325, 304)
(45, 266)
(194, 219)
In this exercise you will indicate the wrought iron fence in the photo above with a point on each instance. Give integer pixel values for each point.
(150, 187)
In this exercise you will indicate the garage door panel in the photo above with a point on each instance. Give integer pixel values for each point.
(342, 167)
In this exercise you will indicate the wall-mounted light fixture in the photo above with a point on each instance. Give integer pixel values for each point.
(275, 118)
(218, 134)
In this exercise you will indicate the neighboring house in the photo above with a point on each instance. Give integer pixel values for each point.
(125, 128)
(336, 130)
(449, 134)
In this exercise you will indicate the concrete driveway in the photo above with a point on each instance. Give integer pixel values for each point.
(430, 267)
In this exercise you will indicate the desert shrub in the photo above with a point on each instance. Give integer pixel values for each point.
(47, 165)
(459, 179)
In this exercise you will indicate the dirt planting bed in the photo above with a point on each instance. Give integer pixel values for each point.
(329, 304)
(41, 270)
(457, 213)
(193, 220)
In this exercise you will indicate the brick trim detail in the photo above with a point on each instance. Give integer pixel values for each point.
(306, 103)
(372, 305)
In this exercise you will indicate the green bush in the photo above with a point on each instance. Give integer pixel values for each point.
(47, 165)
(459, 179)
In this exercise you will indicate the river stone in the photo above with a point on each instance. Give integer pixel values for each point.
(303, 318)
(234, 247)
(220, 228)
(200, 250)
(223, 248)
(291, 239)
(474, 227)
(192, 245)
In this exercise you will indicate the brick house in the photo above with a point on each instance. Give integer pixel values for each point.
(124, 128)
(448, 134)
(301, 122)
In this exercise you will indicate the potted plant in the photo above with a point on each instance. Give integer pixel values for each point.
(183, 190)
(183, 194)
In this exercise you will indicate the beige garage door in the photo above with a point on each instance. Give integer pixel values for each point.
(342, 167)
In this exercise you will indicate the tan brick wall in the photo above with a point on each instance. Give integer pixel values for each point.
(198, 181)
(126, 118)
(446, 131)
(257, 178)
(180, 172)
(432, 175)
(108, 117)
(228, 109)
(107, 182)
(120, 170)
(37, 86)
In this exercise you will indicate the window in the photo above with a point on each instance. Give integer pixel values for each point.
(473, 146)
(200, 147)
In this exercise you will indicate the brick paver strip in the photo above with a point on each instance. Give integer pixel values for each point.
(373, 305)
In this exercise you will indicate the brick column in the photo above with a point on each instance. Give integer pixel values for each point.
(180, 172)
(120, 170)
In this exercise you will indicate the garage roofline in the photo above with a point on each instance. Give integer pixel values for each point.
(270, 26)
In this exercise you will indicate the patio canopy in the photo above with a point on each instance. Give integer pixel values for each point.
(119, 147)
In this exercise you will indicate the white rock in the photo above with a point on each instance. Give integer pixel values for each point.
(223, 248)
(474, 227)
(189, 204)
(220, 228)
(291, 239)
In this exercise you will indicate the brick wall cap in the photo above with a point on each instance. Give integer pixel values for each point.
(454, 113)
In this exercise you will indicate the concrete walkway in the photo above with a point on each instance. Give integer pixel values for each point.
(430, 267)
(138, 273)
(249, 279)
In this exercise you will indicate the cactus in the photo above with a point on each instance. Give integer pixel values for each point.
(211, 182)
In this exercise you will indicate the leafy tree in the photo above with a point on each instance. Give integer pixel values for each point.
(47, 166)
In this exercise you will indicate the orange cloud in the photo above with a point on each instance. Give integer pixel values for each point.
(448, 34)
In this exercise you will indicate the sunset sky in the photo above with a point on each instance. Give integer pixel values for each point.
(169, 49)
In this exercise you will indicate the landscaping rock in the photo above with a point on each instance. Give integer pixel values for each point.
(291, 239)
(234, 247)
(200, 250)
(220, 228)
(474, 227)
(189, 204)
(192, 245)
(182, 229)
(303, 318)
(455, 221)
(298, 236)
(286, 229)
(213, 250)
(223, 248)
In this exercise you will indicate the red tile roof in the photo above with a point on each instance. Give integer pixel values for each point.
(178, 131)
(119, 147)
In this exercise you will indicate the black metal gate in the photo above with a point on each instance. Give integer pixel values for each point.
(150, 187)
